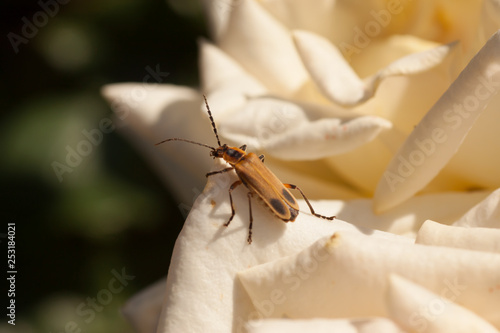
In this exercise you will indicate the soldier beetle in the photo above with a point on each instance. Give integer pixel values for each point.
(258, 179)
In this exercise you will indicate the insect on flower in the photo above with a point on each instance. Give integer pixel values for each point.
(258, 179)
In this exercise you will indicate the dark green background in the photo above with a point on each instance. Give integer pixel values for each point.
(111, 211)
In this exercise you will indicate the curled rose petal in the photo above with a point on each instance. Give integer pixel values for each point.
(438, 136)
(329, 69)
(417, 309)
(410, 64)
(484, 214)
(346, 275)
(218, 13)
(202, 290)
(225, 83)
(479, 239)
(263, 45)
(292, 131)
(316, 139)
(359, 325)
(444, 207)
(337, 80)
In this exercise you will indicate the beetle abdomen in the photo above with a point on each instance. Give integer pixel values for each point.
(261, 181)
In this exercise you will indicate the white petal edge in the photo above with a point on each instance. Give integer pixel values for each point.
(264, 47)
(439, 134)
(417, 309)
(485, 214)
(411, 64)
(325, 137)
(327, 66)
(478, 239)
(293, 131)
(337, 80)
(225, 83)
(218, 14)
(356, 325)
(346, 275)
(407, 218)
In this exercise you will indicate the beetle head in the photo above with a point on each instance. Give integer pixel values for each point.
(219, 152)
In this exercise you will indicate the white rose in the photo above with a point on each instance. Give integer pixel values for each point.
(381, 107)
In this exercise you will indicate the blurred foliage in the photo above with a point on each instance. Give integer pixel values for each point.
(111, 211)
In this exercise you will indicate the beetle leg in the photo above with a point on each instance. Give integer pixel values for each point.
(231, 188)
(244, 147)
(294, 187)
(220, 171)
(262, 158)
(250, 195)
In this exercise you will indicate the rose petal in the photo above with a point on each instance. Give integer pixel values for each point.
(384, 51)
(407, 218)
(143, 309)
(479, 239)
(264, 48)
(369, 325)
(325, 137)
(346, 275)
(340, 83)
(299, 132)
(218, 13)
(152, 113)
(484, 214)
(225, 83)
(414, 97)
(490, 19)
(440, 133)
(201, 287)
(410, 64)
(299, 14)
(417, 309)
(329, 69)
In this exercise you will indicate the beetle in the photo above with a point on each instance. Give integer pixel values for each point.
(257, 178)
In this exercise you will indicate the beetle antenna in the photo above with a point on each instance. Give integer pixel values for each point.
(189, 141)
(212, 120)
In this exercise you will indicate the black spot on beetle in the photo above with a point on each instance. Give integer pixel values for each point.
(233, 153)
(293, 214)
(278, 206)
(288, 196)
